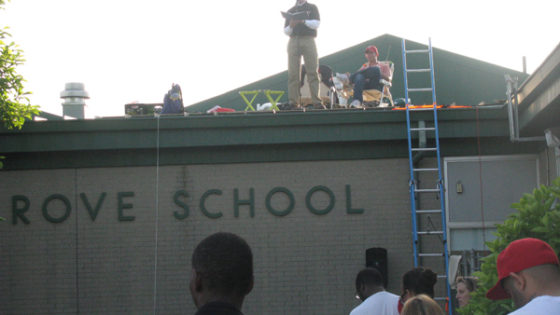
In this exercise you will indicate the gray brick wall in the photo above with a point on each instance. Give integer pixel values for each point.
(304, 263)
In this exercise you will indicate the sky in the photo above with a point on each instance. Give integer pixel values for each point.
(128, 51)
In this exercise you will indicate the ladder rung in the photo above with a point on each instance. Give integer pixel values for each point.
(417, 51)
(420, 90)
(425, 169)
(427, 190)
(418, 70)
(430, 232)
(430, 254)
(423, 149)
(423, 129)
(427, 211)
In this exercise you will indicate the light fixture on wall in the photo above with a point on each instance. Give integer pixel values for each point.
(459, 187)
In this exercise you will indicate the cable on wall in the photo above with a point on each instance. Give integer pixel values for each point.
(157, 215)
(480, 177)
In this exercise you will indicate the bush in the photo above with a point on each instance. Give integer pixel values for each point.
(538, 216)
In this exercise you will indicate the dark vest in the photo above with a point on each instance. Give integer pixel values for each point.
(312, 14)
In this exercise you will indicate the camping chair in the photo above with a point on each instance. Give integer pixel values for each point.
(375, 97)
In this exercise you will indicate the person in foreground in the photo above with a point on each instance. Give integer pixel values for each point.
(421, 305)
(529, 274)
(222, 274)
(376, 301)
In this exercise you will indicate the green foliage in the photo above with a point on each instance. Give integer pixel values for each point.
(15, 107)
(538, 216)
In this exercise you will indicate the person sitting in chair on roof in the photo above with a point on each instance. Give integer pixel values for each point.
(369, 76)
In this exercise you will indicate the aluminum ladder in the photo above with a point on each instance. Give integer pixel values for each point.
(421, 131)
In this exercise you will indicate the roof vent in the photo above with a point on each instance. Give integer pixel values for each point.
(74, 96)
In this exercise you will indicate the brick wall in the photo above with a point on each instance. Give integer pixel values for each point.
(305, 263)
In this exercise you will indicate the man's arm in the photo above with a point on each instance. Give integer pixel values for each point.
(312, 24)
(288, 30)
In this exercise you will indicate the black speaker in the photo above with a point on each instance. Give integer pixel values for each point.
(376, 257)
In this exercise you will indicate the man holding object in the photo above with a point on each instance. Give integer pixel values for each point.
(302, 22)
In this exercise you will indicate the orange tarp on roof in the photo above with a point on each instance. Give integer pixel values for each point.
(431, 106)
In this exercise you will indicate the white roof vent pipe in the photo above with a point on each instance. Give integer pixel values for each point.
(74, 96)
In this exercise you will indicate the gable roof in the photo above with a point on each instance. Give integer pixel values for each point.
(459, 79)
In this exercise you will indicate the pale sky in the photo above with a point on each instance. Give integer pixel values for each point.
(132, 50)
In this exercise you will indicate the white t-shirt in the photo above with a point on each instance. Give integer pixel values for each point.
(380, 303)
(545, 305)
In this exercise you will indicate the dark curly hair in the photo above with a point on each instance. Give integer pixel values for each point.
(420, 281)
(369, 277)
(225, 263)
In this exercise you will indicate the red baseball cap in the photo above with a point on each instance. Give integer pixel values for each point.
(520, 255)
(372, 49)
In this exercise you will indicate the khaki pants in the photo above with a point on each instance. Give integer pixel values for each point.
(303, 46)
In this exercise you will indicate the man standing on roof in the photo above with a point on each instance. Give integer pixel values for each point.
(302, 29)
(529, 274)
(369, 76)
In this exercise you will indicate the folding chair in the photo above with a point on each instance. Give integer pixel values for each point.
(375, 96)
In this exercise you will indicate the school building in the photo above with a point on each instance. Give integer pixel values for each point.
(102, 215)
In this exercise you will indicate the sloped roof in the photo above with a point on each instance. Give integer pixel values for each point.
(539, 97)
(459, 79)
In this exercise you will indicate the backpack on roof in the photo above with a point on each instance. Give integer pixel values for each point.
(173, 101)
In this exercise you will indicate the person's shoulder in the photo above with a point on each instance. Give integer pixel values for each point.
(311, 5)
(540, 305)
(387, 295)
(358, 310)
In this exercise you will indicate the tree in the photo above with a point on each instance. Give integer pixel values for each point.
(538, 217)
(15, 106)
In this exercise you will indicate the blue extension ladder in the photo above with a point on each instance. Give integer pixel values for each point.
(438, 188)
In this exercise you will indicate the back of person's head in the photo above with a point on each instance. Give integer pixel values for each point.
(545, 275)
(224, 262)
(420, 281)
(421, 305)
(370, 277)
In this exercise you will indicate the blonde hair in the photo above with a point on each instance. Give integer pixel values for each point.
(421, 305)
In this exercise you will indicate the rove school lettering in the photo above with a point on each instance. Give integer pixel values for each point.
(56, 208)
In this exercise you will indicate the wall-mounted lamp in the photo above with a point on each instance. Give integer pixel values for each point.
(459, 187)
